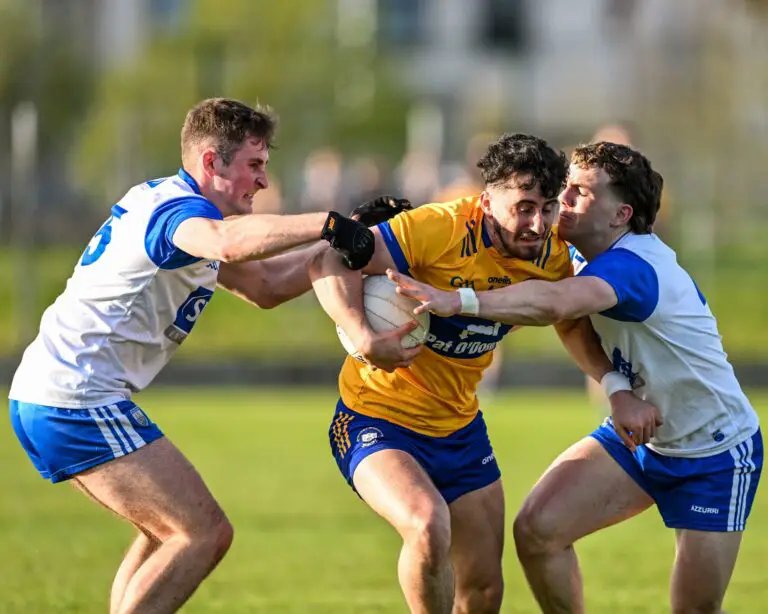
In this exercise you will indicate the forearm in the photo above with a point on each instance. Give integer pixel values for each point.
(530, 303)
(259, 236)
(583, 344)
(340, 292)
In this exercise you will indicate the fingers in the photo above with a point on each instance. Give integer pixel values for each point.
(622, 433)
(405, 329)
(423, 308)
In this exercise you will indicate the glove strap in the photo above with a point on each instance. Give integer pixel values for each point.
(329, 228)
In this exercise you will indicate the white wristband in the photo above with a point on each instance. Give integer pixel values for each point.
(470, 304)
(613, 381)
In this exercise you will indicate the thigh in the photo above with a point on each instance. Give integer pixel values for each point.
(477, 530)
(156, 488)
(584, 490)
(704, 563)
(397, 488)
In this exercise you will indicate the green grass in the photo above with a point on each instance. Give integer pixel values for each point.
(300, 330)
(304, 542)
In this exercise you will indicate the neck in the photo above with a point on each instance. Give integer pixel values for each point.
(206, 188)
(592, 246)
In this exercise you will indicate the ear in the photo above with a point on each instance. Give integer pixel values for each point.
(485, 202)
(623, 215)
(209, 159)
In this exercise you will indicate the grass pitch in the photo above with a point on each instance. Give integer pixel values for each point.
(304, 543)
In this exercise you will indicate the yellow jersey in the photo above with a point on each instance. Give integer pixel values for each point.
(445, 245)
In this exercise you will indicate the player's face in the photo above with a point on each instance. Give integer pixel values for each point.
(587, 205)
(518, 221)
(236, 183)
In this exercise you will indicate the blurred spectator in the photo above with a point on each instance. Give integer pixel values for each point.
(269, 200)
(417, 177)
(465, 180)
(363, 181)
(322, 180)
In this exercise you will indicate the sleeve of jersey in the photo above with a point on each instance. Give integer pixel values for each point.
(633, 279)
(163, 223)
(419, 237)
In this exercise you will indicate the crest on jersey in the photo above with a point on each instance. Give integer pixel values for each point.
(139, 416)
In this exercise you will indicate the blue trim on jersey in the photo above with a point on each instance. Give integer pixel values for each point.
(394, 248)
(472, 238)
(189, 180)
(701, 296)
(633, 279)
(164, 221)
(459, 463)
(63, 442)
(484, 234)
(546, 253)
(713, 493)
(153, 183)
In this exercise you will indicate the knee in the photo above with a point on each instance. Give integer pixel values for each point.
(222, 536)
(535, 531)
(482, 598)
(429, 530)
(213, 538)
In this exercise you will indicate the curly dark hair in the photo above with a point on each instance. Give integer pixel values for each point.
(227, 123)
(529, 159)
(632, 179)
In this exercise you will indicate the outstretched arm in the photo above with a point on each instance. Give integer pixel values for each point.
(273, 281)
(529, 303)
(258, 236)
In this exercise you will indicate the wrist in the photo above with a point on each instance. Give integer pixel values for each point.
(613, 382)
(328, 231)
(469, 303)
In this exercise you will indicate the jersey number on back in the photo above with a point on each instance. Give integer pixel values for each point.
(101, 239)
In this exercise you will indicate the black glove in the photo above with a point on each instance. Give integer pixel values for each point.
(350, 238)
(380, 210)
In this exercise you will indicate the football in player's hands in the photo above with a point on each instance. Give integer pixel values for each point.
(380, 209)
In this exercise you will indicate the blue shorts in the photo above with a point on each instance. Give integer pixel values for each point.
(457, 464)
(713, 493)
(63, 442)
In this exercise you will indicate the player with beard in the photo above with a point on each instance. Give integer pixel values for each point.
(412, 441)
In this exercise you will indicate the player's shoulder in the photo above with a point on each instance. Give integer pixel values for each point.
(460, 209)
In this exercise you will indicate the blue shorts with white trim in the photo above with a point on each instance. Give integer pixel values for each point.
(713, 493)
(64, 442)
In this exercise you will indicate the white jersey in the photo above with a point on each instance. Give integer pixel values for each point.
(132, 299)
(663, 337)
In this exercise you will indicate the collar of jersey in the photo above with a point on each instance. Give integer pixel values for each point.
(189, 180)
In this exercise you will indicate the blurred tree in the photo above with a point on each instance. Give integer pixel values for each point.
(286, 54)
(42, 66)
